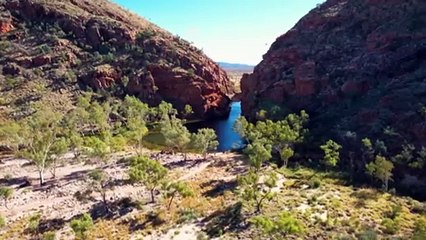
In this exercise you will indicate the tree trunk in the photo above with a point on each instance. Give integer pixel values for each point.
(205, 155)
(41, 176)
(170, 202)
(386, 184)
(152, 195)
(351, 158)
(76, 153)
(185, 156)
(53, 170)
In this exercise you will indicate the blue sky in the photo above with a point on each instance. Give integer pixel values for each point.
(236, 31)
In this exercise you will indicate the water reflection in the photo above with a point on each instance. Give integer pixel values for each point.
(228, 139)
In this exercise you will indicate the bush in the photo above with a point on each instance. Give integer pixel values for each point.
(49, 236)
(368, 234)
(420, 229)
(284, 224)
(315, 183)
(81, 225)
(33, 223)
(145, 34)
(2, 221)
(44, 49)
(390, 226)
(187, 215)
(395, 212)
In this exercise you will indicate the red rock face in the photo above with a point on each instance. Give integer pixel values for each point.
(165, 68)
(6, 25)
(41, 60)
(103, 77)
(359, 64)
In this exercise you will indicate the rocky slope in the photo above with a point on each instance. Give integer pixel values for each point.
(99, 45)
(356, 65)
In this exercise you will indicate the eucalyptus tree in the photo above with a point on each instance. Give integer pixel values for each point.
(381, 169)
(148, 172)
(205, 140)
(42, 138)
(177, 136)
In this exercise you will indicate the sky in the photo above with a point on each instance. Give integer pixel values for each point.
(234, 31)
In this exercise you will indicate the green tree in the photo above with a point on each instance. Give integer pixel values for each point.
(187, 111)
(60, 147)
(148, 172)
(81, 225)
(164, 111)
(205, 140)
(99, 116)
(245, 129)
(41, 132)
(381, 169)
(6, 194)
(136, 114)
(100, 182)
(172, 189)
(420, 160)
(367, 150)
(96, 147)
(280, 135)
(286, 154)
(258, 153)
(75, 123)
(11, 134)
(255, 192)
(176, 135)
(39, 137)
(331, 153)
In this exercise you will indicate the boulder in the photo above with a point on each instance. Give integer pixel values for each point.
(11, 69)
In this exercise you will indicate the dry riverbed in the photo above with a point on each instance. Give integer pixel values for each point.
(57, 204)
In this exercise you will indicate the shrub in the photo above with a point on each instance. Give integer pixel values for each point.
(81, 225)
(420, 229)
(43, 49)
(315, 183)
(395, 212)
(283, 225)
(2, 221)
(187, 215)
(418, 207)
(368, 234)
(145, 34)
(11, 83)
(390, 226)
(49, 236)
(33, 223)
(6, 194)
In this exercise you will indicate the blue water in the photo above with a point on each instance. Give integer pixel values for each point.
(228, 139)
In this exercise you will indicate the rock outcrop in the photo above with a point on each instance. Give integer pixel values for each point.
(109, 48)
(355, 66)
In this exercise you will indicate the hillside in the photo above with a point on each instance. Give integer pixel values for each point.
(71, 45)
(358, 69)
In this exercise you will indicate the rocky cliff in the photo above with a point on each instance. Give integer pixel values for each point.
(356, 66)
(97, 44)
